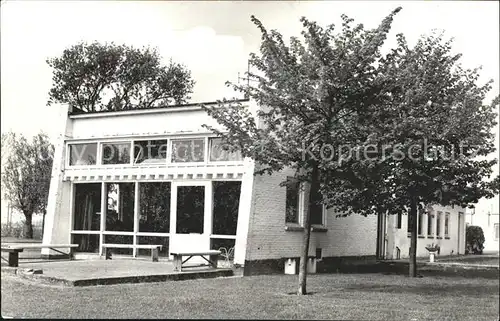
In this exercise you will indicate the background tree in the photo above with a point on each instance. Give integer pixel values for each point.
(99, 76)
(312, 95)
(431, 134)
(26, 172)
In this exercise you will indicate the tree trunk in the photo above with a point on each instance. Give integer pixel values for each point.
(28, 226)
(413, 234)
(302, 290)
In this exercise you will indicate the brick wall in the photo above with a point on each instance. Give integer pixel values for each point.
(267, 238)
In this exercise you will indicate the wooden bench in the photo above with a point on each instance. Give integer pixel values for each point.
(13, 256)
(53, 247)
(155, 249)
(178, 262)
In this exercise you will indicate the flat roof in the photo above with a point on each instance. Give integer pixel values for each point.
(182, 107)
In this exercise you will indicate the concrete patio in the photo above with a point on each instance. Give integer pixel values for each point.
(100, 272)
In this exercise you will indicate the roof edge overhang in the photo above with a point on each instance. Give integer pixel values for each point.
(152, 110)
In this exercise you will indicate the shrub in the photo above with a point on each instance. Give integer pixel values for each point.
(13, 230)
(475, 240)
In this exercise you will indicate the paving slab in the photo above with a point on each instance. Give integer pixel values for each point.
(101, 272)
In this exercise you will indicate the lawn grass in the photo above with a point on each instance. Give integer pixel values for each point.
(334, 296)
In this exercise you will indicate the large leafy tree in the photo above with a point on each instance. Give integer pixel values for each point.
(430, 138)
(95, 76)
(312, 94)
(26, 172)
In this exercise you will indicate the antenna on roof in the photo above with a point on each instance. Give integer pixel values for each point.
(247, 78)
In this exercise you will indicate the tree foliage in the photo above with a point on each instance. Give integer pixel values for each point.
(97, 76)
(26, 173)
(314, 94)
(432, 133)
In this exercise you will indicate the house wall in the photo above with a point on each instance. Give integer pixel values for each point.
(188, 120)
(399, 238)
(488, 220)
(102, 127)
(271, 240)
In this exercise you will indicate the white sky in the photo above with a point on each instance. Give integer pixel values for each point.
(212, 38)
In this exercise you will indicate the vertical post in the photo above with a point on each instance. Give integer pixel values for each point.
(207, 222)
(173, 217)
(136, 217)
(104, 203)
(71, 209)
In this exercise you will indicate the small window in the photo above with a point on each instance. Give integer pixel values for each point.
(82, 154)
(219, 154)
(317, 210)
(496, 231)
(438, 223)
(188, 150)
(399, 219)
(292, 200)
(430, 224)
(408, 223)
(447, 224)
(116, 153)
(150, 151)
(421, 218)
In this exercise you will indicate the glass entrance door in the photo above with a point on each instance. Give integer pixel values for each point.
(191, 212)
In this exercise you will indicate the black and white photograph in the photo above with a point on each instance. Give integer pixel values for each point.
(309, 160)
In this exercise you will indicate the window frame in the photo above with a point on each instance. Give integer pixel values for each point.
(68, 153)
(168, 154)
(430, 224)
(447, 224)
(130, 152)
(439, 225)
(298, 211)
(209, 153)
(171, 150)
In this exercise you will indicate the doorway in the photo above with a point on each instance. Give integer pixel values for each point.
(190, 223)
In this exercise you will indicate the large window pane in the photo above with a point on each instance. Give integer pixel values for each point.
(153, 240)
(154, 207)
(116, 153)
(120, 213)
(190, 209)
(150, 151)
(86, 242)
(120, 239)
(83, 154)
(87, 207)
(292, 200)
(188, 150)
(226, 201)
(219, 154)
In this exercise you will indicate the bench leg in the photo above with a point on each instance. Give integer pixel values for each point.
(107, 253)
(71, 254)
(177, 263)
(14, 259)
(213, 260)
(154, 254)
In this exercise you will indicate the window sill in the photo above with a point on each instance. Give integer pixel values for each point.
(446, 237)
(319, 229)
(421, 237)
(294, 228)
(430, 236)
(439, 237)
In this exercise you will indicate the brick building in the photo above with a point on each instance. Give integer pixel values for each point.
(156, 176)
